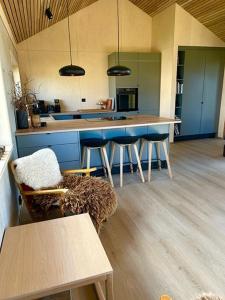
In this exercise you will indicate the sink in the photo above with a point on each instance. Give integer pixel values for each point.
(114, 118)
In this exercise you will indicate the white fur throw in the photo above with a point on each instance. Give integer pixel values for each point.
(39, 170)
(208, 297)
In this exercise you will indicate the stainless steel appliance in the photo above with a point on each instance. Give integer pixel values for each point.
(127, 99)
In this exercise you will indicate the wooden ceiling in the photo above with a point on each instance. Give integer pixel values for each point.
(210, 13)
(27, 17)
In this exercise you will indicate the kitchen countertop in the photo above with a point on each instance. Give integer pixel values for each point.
(93, 124)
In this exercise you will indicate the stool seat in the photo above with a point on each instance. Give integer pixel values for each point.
(125, 140)
(93, 142)
(155, 137)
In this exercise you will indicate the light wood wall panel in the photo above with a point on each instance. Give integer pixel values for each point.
(27, 17)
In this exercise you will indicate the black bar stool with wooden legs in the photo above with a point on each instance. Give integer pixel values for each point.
(122, 142)
(96, 144)
(157, 140)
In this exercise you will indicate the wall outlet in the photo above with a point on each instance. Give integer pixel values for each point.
(83, 100)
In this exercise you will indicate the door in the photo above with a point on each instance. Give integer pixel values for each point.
(193, 92)
(149, 83)
(213, 80)
(129, 60)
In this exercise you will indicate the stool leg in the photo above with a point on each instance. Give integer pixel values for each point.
(138, 162)
(83, 157)
(121, 166)
(103, 161)
(112, 154)
(88, 158)
(130, 158)
(158, 155)
(149, 161)
(107, 165)
(167, 159)
(142, 148)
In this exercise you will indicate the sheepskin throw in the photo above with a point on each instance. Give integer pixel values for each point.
(85, 195)
(39, 170)
(208, 297)
(89, 194)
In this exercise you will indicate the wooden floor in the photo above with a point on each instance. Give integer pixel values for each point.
(168, 237)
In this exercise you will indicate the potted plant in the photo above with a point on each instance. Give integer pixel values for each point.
(24, 100)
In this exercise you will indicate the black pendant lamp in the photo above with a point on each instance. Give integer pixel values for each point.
(71, 70)
(118, 70)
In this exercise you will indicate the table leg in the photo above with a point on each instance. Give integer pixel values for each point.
(109, 287)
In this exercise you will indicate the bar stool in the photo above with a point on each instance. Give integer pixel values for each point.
(126, 142)
(155, 139)
(96, 144)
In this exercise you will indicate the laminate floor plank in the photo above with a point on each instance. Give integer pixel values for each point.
(168, 236)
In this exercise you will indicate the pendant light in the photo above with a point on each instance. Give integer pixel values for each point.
(118, 70)
(71, 70)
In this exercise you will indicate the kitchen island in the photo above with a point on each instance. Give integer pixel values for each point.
(63, 136)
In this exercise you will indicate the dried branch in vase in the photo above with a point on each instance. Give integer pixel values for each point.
(23, 98)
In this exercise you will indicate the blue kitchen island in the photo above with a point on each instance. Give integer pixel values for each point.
(63, 137)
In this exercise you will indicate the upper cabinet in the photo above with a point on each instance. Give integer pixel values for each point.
(146, 72)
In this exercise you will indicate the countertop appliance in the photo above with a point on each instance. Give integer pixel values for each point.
(127, 99)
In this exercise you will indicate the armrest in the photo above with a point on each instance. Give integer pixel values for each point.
(80, 171)
(45, 192)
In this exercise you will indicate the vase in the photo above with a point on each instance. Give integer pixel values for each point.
(22, 119)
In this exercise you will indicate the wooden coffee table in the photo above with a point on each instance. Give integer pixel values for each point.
(45, 258)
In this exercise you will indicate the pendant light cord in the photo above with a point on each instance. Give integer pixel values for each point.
(68, 23)
(118, 34)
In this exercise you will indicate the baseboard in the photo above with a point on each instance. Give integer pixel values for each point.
(126, 168)
(194, 137)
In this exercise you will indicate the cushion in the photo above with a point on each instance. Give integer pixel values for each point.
(125, 140)
(93, 142)
(39, 170)
(156, 137)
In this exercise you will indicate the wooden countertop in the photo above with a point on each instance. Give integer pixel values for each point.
(93, 124)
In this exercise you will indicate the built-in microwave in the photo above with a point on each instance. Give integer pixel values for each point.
(127, 99)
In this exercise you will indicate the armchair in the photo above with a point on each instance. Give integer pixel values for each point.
(27, 194)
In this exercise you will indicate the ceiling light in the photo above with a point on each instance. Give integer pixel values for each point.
(118, 70)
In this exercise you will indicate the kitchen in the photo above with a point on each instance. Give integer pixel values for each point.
(131, 92)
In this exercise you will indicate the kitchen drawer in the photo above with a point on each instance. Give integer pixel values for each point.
(45, 139)
(70, 165)
(68, 152)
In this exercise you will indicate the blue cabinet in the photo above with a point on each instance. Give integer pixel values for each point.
(66, 146)
(202, 88)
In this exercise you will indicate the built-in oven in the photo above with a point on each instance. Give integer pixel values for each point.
(127, 99)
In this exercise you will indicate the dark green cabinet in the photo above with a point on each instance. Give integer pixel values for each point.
(202, 87)
(146, 72)
(149, 73)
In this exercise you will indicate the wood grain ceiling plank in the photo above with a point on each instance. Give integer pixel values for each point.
(15, 12)
(20, 15)
(12, 20)
(9, 17)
